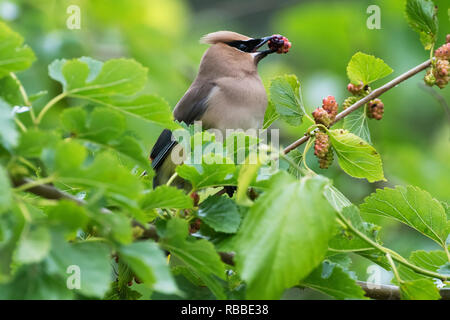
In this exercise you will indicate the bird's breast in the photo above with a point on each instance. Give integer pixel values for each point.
(236, 104)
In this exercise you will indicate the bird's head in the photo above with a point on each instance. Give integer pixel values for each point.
(237, 50)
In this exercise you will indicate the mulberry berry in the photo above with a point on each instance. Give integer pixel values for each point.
(447, 39)
(330, 105)
(279, 44)
(355, 89)
(375, 109)
(349, 101)
(321, 116)
(322, 144)
(443, 52)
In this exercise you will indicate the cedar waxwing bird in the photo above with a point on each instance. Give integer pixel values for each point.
(227, 93)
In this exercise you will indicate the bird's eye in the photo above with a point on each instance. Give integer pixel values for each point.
(240, 45)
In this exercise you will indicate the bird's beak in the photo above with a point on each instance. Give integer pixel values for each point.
(258, 43)
(255, 44)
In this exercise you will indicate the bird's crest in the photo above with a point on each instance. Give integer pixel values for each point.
(222, 36)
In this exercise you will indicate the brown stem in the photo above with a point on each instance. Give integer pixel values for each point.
(374, 94)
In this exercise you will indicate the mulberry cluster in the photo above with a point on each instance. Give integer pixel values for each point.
(375, 109)
(323, 150)
(327, 113)
(439, 72)
(279, 44)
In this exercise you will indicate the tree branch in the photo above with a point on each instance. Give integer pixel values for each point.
(374, 94)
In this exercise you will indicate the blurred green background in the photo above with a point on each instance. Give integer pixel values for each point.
(413, 137)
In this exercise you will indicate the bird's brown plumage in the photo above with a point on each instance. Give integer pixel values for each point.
(226, 94)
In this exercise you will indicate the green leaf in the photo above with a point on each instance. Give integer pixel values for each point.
(296, 156)
(83, 77)
(291, 219)
(150, 108)
(412, 206)
(337, 200)
(270, 116)
(166, 197)
(220, 213)
(357, 123)
(247, 174)
(33, 246)
(92, 259)
(330, 278)
(366, 69)
(106, 128)
(5, 191)
(105, 172)
(213, 170)
(284, 94)
(13, 224)
(422, 17)
(69, 214)
(355, 156)
(420, 289)
(348, 241)
(35, 282)
(199, 256)
(113, 84)
(8, 132)
(10, 91)
(14, 55)
(149, 263)
(33, 142)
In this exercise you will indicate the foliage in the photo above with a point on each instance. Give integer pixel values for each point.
(293, 228)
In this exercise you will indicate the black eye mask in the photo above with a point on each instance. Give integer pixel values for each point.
(248, 45)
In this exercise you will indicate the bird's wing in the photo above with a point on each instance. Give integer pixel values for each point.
(194, 103)
(189, 109)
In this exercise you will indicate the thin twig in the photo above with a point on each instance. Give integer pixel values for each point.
(374, 94)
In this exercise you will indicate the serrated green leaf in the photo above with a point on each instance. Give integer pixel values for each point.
(220, 213)
(213, 171)
(284, 94)
(68, 214)
(334, 282)
(346, 240)
(33, 142)
(5, 191)
(104, 174)
(10, 92)
(357, 123)
(270, 116)
(149, 263)
(35, 282)
(14, 55)
(422, 17)
(355, 156)
(34, 245)
(166, 197)
(150, 108)
(8, 132)
(92, 259)
(366, 69)
(198, 255)
(337, 200)
(412, 206)
(420, 289)
(291, 219)
(84, 77)
(106, 128)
